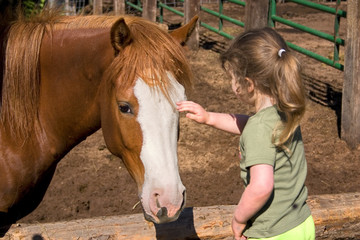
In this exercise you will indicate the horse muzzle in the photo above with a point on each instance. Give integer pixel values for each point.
(161, 210)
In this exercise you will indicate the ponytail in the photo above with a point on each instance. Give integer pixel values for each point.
(289, 92)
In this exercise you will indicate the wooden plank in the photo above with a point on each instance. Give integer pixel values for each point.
(149, 10)
(191, 9)
(98, 7)
(332, 213)
(194, 222)
(119, 7)
(256, 14)
(350, 116)
(334, 208)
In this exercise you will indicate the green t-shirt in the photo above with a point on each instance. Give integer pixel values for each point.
(286, 208)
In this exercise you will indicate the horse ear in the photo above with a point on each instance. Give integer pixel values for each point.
(120, 35)
(182, 34)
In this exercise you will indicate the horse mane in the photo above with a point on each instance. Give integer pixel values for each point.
(20, 89)
(152, 54)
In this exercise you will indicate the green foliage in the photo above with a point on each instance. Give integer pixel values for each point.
(32, 7)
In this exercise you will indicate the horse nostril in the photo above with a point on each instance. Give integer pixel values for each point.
(156, 193)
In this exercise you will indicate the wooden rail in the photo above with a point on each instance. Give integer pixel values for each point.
(334, 215)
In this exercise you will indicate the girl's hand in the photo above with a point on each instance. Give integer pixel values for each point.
(238, 229)
(195, 111)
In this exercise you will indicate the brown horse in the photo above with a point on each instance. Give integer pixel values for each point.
(66, 77)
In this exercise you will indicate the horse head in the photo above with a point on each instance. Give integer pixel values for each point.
(148, 75)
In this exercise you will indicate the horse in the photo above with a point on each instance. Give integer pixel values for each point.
(65, 77)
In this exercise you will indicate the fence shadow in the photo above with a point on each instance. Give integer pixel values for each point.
(325, 95)
(213, 44)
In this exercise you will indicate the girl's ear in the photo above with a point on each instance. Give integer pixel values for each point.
(250, 85)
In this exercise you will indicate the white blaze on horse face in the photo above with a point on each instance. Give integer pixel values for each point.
(162, 192)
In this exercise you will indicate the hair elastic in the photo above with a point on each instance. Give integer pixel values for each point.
(281, 51)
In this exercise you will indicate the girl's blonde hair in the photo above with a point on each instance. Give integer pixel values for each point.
(255, 55)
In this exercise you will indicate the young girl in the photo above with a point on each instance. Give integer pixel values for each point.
(266, 75)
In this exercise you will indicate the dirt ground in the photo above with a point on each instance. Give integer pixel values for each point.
(91, 182)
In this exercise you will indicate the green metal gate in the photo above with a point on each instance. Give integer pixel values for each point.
(273, 19)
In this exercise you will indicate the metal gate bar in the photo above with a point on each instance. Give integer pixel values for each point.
(273, 18)
(219, 14)
(221, 18)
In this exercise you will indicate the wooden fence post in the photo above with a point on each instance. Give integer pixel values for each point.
(98, 5)
(192, 8)
(149, 10)
(350, 115)
(119, 7)
(52, 3)
(256, 14)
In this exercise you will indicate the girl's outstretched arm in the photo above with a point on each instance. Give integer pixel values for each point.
(232, 123)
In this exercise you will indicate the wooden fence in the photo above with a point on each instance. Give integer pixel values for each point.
(335, 217)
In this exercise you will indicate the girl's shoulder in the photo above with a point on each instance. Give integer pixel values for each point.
(269, 116)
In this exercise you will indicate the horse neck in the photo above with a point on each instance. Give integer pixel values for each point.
(72, 64)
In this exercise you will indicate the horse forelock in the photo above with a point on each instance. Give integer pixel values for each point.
(151, 56)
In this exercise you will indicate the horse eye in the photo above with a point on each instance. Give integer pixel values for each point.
(125, 108)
